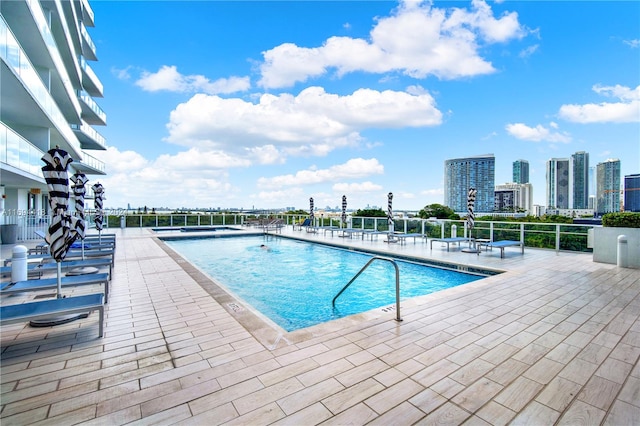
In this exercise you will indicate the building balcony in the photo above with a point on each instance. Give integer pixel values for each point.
(31, 103)
(90, 81)
(89, 165)
(30, 21)
(88, 47)
(87, 13)
(19, 159)
(89, 138)
(91, 111)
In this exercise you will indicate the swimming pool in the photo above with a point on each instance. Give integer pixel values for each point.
(293, 282)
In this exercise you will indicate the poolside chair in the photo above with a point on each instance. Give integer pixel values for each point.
(42, 247)
(44, 309)
(306, 222)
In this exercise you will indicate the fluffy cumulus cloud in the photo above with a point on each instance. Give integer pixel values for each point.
(625, 108)
(418, 40)
(353, 169)
(131, 178)
(312, 123)
(538, 133)
(357, 187)
(169, 79)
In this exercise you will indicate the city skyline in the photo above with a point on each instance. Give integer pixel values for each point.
(265, 104)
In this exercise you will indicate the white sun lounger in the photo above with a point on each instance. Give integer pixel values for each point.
(453, 240)
(52, 283)
(501, 245)
(372, 233)
(350, 232)
(72, 264)
(403, 237)
(43, 309)
(39, 268)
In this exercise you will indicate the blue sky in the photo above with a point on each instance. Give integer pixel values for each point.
(265, 104)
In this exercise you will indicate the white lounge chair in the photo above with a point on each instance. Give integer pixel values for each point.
(47, 308)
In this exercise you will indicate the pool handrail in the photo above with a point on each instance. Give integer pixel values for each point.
(395, 265)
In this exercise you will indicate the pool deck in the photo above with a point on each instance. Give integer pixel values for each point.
(553, 340)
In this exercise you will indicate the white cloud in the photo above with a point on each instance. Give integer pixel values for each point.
(121, 74)
(418, 40)
(312, 123)
(438, 191)
(536, 134)
(353, 169)
(169, 79)
(626, 110)
(190, 178)
(357, 187)
(634, 43)
(525, 53)
(281, 197)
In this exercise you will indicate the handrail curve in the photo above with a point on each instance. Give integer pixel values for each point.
(395, 265)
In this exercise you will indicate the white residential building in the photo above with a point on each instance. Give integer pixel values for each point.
(514, 197)
(47, 98)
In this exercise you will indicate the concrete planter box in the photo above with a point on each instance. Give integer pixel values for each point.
(605, 245)
(9, 233)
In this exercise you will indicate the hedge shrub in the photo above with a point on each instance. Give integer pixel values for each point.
(621, 220)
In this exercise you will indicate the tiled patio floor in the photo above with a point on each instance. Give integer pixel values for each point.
(554, 340)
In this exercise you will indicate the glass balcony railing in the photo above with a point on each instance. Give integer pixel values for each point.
(92, 75)
(88, 100)
(47, 37)
(93, 162)
(18, 152)
(90, 133)
(16, 59)
(86, 9)
(87, 39)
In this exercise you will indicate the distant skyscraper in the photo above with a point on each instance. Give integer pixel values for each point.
(608, 186)
(579, 181)
(460, 174)
(632, 193)
(558, 183)
(592, 188)
(521, 171)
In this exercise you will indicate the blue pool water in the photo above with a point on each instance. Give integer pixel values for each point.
(293, 282)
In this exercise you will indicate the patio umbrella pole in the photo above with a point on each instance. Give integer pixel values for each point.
(390, 237)
(98, 191)
(79, 181)
(59, 265)
(344, 212)
(471, 201)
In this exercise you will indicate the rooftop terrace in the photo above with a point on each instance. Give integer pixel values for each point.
(553, 340)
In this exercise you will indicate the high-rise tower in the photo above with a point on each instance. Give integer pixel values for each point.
(579, 172)
(608, 186)
(521, 171)
(477, 172)
(558, 183)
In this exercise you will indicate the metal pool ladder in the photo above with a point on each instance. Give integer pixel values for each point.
(395, 265)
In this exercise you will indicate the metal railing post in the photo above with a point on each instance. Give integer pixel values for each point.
(395, 265)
